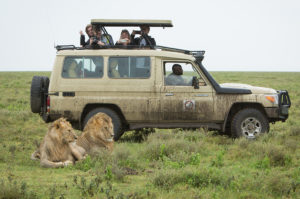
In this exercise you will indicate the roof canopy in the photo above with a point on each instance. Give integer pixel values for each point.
(131, 22)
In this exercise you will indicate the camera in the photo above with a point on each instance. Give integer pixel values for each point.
(94, 40)
(138, 32)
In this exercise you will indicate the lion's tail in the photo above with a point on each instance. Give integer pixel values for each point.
(35, 155)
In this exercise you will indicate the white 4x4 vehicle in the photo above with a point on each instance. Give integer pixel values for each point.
(133, 86)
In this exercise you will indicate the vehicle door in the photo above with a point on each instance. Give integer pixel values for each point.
(182, 101)
(132, 87)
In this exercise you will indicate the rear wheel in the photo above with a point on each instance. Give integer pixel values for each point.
(249, 123)
(118, 130)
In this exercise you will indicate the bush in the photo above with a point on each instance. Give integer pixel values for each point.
(263, 164)
(279, 185)
(85, 164)
(138, 135)
(197, 178)
(12, 190)
(167, 179)
(156, 149)
(295, 131)
(277, 155)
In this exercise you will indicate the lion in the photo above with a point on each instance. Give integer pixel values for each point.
(97, 134)
(55, 150)
(61, 147)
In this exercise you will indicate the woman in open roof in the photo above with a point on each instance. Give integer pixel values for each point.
(124, 38)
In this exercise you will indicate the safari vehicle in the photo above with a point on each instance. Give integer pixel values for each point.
(129, 84)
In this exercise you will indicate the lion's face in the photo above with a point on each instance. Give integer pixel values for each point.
(102, 125)
(64, 131)
(107, 130)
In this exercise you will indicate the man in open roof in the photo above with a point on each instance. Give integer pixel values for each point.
(144, 39)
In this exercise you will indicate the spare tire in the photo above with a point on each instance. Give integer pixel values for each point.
(44, 114)
(38, 91)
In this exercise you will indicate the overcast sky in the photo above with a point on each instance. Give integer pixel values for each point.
(237, 35)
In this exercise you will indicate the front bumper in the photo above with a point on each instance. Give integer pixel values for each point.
(280, 113)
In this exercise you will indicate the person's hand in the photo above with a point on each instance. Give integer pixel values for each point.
(80, 32)
(100, 43)
(127, 41)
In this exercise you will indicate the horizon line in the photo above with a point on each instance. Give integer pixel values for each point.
(208, 71)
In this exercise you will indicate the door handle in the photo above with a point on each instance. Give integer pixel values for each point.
(201, 95)
(169, 94)
(68, 94)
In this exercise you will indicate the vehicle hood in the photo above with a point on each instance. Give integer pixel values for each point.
(254, 89)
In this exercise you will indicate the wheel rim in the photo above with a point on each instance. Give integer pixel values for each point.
(251, 127)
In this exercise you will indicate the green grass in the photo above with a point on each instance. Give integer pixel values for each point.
(163, 164)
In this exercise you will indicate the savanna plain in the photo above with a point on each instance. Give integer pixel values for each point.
(172, 163)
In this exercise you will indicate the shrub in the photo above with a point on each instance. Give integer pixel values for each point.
(156, 149)
(278, 156)
(219, 160)
(85, 164)
(138, 135)
(295, 131)
(12, 190)
(279, 185)
(197, 178)
(263, 164)
(195, 159)
(166, 179)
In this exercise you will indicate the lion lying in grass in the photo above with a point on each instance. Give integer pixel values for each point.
(97, 134)
(60, 147)
(54, 151)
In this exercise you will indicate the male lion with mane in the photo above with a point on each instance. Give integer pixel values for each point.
(97, 134)
(54, 151)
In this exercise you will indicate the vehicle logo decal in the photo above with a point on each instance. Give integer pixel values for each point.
(188, 105)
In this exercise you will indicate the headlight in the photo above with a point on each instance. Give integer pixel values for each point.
(272, 98)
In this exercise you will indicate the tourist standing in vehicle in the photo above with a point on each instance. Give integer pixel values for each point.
(124, 38)
(98, 40)
(89, 32)
(144, 39)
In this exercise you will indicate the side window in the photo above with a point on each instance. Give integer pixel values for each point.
(83, 67)
(179, 74)
(129, 67)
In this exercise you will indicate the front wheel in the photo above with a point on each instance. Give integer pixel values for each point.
(249, 123)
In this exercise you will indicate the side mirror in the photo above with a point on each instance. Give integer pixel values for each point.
(195, 82)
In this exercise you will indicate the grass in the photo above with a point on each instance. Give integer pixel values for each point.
(161, 164)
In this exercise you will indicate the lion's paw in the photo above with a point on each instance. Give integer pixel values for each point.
(68, 163)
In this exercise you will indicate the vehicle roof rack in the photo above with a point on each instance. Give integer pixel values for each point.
(199, 55)
(132, 22)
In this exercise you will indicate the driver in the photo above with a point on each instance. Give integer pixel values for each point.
(175, 78)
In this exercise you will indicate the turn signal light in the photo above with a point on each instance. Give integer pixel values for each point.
(272, 98)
